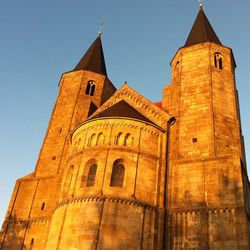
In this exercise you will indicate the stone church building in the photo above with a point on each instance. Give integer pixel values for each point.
(118, 172)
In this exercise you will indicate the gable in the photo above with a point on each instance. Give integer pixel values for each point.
(122, 109)
(126, 102)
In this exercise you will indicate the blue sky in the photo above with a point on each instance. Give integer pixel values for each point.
(42, 39)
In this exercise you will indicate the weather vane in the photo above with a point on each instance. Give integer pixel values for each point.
(101, 30)
(201, 2)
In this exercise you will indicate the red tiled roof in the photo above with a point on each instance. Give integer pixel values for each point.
(158, 104)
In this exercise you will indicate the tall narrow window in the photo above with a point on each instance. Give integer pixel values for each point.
(218, 60)
(90, 89)
(91, 175)
(117, 176)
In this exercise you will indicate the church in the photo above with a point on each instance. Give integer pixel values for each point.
(119, 172)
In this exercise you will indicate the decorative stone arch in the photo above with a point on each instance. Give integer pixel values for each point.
(119, 139)
(93, 140)
(128, 140)
(118, 173)
(100, 139)
(68, 181)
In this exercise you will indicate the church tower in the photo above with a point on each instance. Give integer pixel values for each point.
(36, 195)
(208, 187)
(81, 92)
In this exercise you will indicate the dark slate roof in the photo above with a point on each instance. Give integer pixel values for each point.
(122, 109)
(93, 60)
(202, 31)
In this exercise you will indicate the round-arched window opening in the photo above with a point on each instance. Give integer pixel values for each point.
(90, 89)
(91, 175)
(118, 172)
(218, 60)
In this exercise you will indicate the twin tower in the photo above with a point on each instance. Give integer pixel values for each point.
(118, 172)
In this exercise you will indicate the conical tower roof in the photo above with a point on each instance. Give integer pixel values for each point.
(202, 31)
(93, 60)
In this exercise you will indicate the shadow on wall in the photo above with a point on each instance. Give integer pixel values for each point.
(13, 238)
(225, 220)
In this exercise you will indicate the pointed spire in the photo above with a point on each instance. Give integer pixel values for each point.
(93, 60)
(202, 31)
(101, 29)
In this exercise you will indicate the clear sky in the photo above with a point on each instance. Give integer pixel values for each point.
(42, 39)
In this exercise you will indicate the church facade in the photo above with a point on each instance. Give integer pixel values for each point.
(118, 172)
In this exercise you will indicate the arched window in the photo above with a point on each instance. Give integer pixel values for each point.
(117, 176)
(100, 139)
(91, 175)
(90, 89)
(119, 139)
(93, 139)
(218, 60)
(128, 140)
(68, 180)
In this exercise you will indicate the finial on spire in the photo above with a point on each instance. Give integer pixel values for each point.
(101, 30)
(201, 3)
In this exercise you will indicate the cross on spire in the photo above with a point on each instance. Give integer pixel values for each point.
(101, 29)
(201, 3)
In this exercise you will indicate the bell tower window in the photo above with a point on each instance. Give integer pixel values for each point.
(90, 89)
(218, 60)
